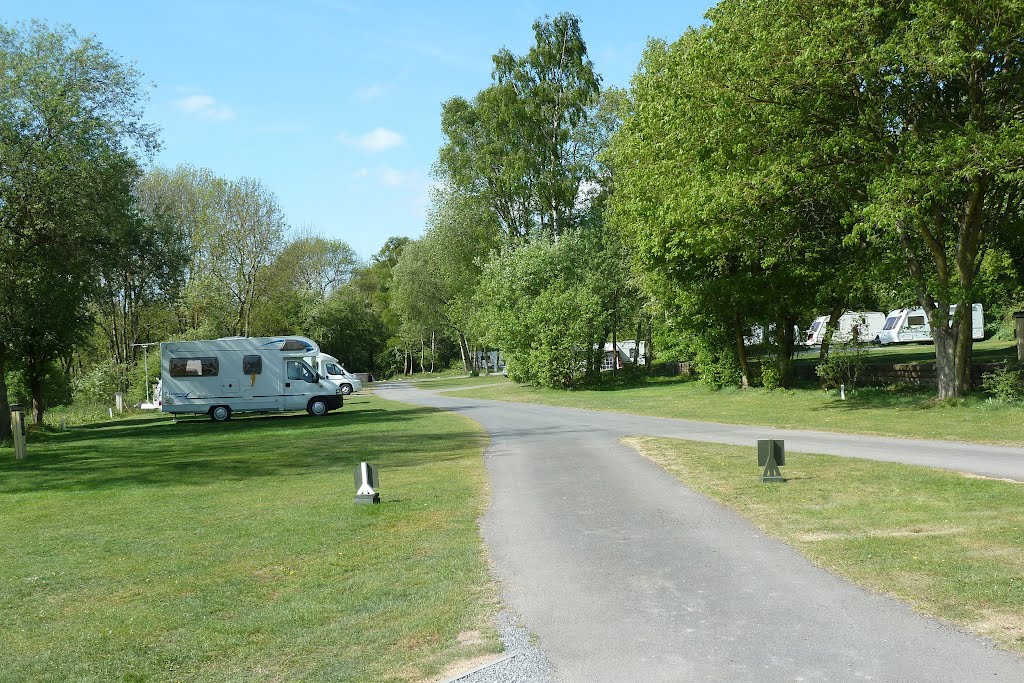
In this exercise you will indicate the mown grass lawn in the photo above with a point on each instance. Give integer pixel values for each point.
(950, 545)
(870, 410)
(149, 550)
(459, 382)
(989, 351)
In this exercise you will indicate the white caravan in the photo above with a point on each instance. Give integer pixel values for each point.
(331, 369)
(912, 325)
(219, 377)
(862, 325)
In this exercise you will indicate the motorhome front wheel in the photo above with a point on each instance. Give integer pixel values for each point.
(316, 407)
(346, 389)
(220, 413)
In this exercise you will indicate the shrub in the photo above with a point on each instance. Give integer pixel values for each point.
(716, 369)
(842, 366)
(771, 378)
(1005, 384)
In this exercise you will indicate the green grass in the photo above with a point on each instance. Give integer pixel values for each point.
(459, 382)
(950, 545)
(991, 351)
(143, 549)
(880, 411)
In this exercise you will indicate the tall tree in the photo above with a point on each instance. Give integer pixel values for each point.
(70, 123)
(518, 143)
(252, 239)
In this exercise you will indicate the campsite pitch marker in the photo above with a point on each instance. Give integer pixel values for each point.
(366, 480)
(770, 454)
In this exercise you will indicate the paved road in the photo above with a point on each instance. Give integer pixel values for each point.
(627, 575)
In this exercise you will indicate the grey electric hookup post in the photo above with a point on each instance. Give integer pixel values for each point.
(366, 482)
(18, 427)
(770, 454)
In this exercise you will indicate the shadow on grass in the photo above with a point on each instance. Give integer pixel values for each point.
(882, 398)
(160, 452)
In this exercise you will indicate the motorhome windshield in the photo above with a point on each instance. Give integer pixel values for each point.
(891, 322)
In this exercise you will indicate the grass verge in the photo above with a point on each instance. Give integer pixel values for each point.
(869, 410)
(143, 549)
(990, 351)
(950, 545)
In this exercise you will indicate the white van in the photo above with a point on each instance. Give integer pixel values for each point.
(333, 371)
(218, 377)
(912, 325)
(862, 325)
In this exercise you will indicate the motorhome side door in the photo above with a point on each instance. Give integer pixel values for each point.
(298, 384)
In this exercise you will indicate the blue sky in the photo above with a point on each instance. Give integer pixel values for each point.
(334, 105)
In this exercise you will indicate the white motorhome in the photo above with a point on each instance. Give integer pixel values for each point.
(333, 371)
(860, 325)
(218, 377)
(912, 325)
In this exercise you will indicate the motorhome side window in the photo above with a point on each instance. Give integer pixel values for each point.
(299, 370)
(333, 369)
(252, 365)
(193, 367)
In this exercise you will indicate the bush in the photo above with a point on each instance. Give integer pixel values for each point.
(1005, 384)
(842, 366)
(771, 378)
(717, 369)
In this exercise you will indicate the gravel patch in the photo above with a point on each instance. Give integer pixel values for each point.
(525, 663)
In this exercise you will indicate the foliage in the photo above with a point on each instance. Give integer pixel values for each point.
(70, 124)
(536, 307)
(1005, 384)
(517, 144)
(771, 378)
(716, 366)
(843, 365)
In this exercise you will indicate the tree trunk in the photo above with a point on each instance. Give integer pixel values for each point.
(786, 345)
(833, 321)
(35, 384)
(741, 353)
(5, 407)
(945, 358)
(636, 343)
(615, 351)
(422, 367)
(649, 350)
(464, 350)
(963, 361)
(432, 353)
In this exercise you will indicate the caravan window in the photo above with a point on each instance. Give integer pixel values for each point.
(891, 322)
(252, 365)
(815, 325)
(915, 321)
(193, 367)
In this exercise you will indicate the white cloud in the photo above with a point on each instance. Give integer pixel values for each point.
(361, 173)
(377, 140)
(390, 176)
(204, 106)
(371, 92)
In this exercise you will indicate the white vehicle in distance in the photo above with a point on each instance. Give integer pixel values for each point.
(912, 325)
(218, 377)
(862, 325)
(333, 371)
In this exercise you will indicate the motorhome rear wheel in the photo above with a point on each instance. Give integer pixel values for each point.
(220, 413)
(316, 407)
